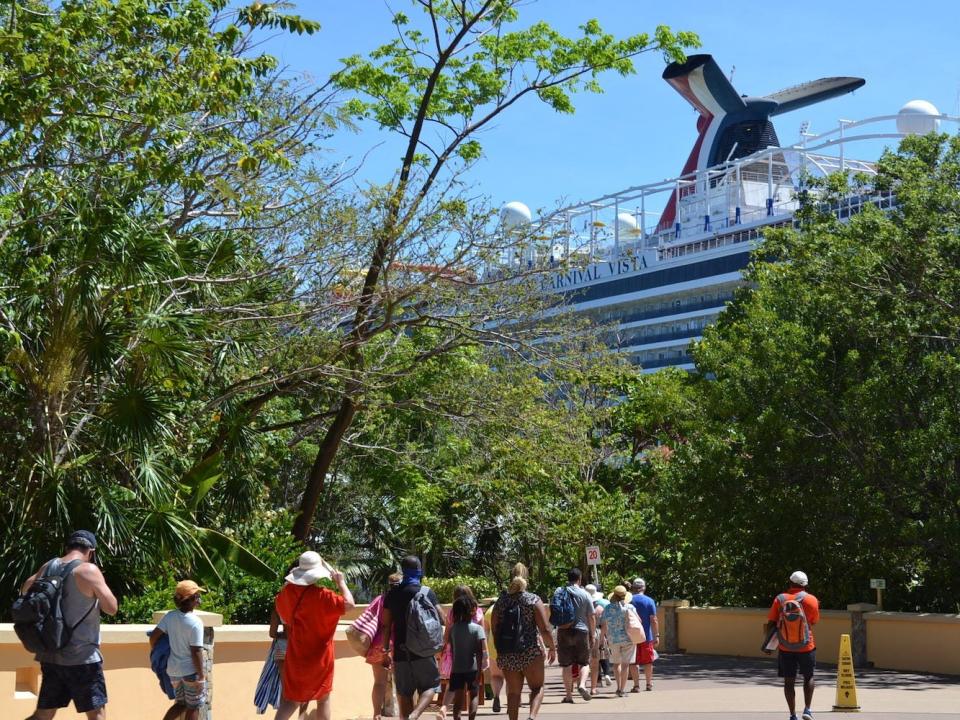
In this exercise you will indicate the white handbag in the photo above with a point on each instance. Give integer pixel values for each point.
(634, 626)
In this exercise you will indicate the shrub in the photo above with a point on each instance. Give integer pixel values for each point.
(239, 597)
(443, 587)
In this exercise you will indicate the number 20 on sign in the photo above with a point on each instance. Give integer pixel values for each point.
(593, 555)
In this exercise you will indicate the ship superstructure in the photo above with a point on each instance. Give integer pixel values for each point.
(658, 285)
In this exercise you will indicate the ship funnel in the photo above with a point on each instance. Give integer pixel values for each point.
(732, 126)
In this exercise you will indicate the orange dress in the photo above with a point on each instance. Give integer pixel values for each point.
(310, 615)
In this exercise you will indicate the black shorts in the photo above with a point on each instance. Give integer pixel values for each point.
(790, 664)
(84, 684)
(466, 680)
(573, 647)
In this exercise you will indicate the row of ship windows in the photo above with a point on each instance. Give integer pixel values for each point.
(661, 358)
(659, 333)
(660, 308)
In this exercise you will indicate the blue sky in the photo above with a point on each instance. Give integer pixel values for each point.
(639, 130)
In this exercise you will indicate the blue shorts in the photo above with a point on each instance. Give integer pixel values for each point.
(790, 664)
(84, 684)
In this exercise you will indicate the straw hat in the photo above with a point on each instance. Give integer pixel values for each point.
(619, 594)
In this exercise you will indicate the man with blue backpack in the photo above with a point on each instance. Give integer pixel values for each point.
(411, 619)
(571, 612)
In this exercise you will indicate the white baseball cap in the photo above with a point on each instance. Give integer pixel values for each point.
(799, 578)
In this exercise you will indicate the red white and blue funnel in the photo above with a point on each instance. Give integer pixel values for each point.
(733, 126)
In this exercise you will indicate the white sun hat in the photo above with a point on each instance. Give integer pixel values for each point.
(310, 568)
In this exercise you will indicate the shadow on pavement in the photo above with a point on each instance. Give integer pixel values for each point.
(717, 670)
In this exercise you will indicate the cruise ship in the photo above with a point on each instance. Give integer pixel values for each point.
(657, 263)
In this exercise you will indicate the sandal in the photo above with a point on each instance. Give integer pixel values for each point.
(649, 687)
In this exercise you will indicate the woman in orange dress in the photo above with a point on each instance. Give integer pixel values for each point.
(310, 615)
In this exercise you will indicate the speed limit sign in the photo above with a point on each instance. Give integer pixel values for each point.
(593, 555)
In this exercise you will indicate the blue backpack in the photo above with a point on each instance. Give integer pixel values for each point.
(563, 613)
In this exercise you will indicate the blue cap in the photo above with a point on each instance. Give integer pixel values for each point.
(83, 537)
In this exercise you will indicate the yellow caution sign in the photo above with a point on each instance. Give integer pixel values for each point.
(846, 683)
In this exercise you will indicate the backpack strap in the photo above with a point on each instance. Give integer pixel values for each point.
(69, 568)
(800, 596)
(63, 573)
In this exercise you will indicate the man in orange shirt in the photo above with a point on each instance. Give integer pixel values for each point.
(793, 614)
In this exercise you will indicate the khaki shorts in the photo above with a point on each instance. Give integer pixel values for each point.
(622, 653)
(573, 647)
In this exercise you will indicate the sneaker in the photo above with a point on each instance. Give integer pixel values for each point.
(793, 717)
(584, 693)
(807, 715)
(620, 693)
(607, 680)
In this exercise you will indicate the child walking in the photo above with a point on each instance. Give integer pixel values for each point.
(185, 665)
(468, 646)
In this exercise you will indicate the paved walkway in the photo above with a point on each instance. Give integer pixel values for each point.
(696, 687)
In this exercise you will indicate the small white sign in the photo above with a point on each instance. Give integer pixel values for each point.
(593, 555)
(878, 584)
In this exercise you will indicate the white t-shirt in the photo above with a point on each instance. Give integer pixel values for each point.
(185, 631)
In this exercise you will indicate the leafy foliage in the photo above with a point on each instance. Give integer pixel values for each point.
(139, 140)
(826, 436)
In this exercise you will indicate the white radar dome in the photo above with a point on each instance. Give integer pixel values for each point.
(627, 225)
(514, 214)
(918, 117)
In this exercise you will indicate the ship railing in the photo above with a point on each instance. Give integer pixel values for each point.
(846, 208)
(595, 230)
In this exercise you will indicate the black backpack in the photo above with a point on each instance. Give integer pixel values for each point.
(509, 635)
(38, 616)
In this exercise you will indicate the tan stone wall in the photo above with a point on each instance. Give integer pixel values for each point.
(914, 641)
(739, 631)
(135, 693)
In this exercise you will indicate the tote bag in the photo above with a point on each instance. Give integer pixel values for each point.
(361, 632)
(634, 626)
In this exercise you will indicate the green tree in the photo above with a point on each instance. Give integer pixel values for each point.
(828, 432)
(445, 79)
(143, 146)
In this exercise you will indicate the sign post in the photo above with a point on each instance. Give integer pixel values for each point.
(593, 561)
(878, 584)
(593, 555)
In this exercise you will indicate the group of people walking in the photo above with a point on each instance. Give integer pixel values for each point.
(511, 643)
(404, 637)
